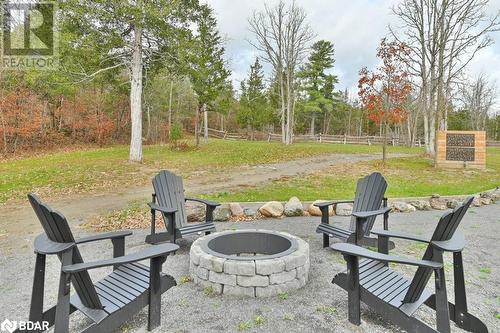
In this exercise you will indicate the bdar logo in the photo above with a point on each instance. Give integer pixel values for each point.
(8, 326)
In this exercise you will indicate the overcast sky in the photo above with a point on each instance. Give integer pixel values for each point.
(354, 26)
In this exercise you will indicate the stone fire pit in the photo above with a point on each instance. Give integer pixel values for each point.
(255, 263)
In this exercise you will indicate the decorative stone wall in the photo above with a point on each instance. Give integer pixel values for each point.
(459, 149)
(254, 278)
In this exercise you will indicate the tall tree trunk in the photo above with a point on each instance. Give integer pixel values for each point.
(313, 118)
(283, 108)
(349, 121)
(148, 116)
(197, 125)
(288, 111)
(170, 108)
(384, 146)
(205, 122)
(136, 97)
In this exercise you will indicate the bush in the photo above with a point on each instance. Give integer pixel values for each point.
(175, 134)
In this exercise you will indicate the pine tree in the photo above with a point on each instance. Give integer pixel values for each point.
(254, 108)
(318, 85)
(207, 69)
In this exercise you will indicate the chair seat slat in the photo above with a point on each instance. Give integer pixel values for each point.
(132, 278)
(371, 270)
(397, 283)
(197, 229)
(370, 280)
(117, 289)
(112, 296)
(141, 269)
(398, 291)
(135, 274)
(203, 225)
(387, 279)
(121, 286)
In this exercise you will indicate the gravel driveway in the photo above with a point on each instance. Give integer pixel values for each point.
(318, 307)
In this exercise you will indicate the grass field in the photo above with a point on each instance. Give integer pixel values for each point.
(93, 170)
(407, 177)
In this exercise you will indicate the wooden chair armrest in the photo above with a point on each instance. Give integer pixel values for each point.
(166, 210)
(401, 235)
(454, 244)
(148, 253)
(364, 215)
(329, 203)
(43, 245)
(107, 235)
(358, 251)
(204, 201)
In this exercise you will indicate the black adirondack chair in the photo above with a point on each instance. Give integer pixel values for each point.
(369, 202)
(395, 297)
(168, 199)
(109, 302)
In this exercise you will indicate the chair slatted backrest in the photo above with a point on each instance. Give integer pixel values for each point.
(370, 193)
(57, 230)
(169, 192)
(445, 229)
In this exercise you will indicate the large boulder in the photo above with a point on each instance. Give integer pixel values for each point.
(195, 212)
(250, 212)
(272, 209)
(294, 207)
(495, 194)
(477, 202)
(438, 203)
(453, 203)
(314, 211)
(222, 213)
(402, 207)
(486, 198)
(344, 209)
(421, 204)
(236, 209)
(486, 201)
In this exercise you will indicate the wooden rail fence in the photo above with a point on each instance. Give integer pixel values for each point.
(325, 138)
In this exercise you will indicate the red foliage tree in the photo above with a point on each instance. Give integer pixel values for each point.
(385, 90)
(21, 119)
(84, 119)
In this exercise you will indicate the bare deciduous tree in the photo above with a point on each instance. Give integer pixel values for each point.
(283, 35)
(444, 37)
(478, 98)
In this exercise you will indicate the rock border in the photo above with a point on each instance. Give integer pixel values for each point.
(294, 207)
(253, 278)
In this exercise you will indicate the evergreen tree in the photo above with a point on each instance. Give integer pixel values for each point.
(254, 109)
(317, 85)
(207, 69)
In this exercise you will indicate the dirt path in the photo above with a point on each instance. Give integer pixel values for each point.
(18, 220)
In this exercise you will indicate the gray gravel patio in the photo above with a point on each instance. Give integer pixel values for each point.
(318, 307)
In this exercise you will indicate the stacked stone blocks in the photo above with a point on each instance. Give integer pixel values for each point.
(255, 278)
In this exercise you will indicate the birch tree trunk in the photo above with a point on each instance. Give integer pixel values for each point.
(311, 129)
(136, 97)
(197, 126)
(205, 123)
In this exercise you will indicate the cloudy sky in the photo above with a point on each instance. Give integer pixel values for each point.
(354, 26)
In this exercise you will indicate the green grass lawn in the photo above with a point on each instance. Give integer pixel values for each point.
(92, 170)
(407, 177)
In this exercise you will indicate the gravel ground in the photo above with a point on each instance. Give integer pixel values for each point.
(318, 307)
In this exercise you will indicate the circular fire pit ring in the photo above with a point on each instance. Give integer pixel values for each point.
(256, 263)
(249, 245)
